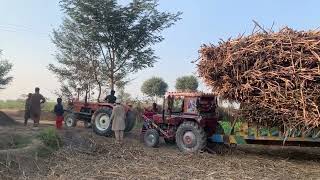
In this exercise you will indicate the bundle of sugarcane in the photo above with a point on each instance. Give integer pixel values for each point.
(274, 75)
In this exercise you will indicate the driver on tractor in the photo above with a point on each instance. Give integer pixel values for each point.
(111, 98)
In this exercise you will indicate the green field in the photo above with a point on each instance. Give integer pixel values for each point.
(19, 105)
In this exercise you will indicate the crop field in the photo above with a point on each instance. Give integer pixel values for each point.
(19, 105)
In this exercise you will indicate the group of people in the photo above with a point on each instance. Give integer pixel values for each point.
(33, 111)
(33, 107)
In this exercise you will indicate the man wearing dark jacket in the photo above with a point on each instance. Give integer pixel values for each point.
(111, 98)
(58, 110)
(27, 109)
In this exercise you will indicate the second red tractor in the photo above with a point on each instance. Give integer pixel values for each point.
(187, 120)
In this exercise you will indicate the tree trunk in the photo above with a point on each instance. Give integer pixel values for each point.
(113, 59)
(99, 85)
(89, 92)
(112, 82)
(86, 97)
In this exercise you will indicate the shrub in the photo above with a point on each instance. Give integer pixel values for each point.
(51, 138)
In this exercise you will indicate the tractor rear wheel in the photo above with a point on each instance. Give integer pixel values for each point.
(102, 123)
(190, 137)
(70, 120)
(151, 138)
(130, 121)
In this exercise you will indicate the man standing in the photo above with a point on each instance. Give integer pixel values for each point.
(35, 109)
(27, 109)
(111, 98)
(118, 121)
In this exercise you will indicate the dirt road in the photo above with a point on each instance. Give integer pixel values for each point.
(88, 156)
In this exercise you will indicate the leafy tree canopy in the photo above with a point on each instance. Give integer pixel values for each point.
(187, 83)
(154, 87)
(5, 68)
(107, 40)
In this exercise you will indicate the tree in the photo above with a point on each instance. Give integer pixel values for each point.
(123, 96)
(77, 58)
(5, 68)
(154, 87)
(121, 35)
(187, 83)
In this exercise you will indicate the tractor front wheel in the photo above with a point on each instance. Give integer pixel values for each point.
(70, 120)
(101, 122)
(190, 137)
(151, 138)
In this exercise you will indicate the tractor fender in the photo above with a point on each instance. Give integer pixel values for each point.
(130, 116)
(101, 106)
(209, 126)
(108, 105)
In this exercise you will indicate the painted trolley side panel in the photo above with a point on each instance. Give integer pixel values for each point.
(271, 136)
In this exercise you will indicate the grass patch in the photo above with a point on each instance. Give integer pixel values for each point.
(15, 142)
(21, 142)
(51, 138)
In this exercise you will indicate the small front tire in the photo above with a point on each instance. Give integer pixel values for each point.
(151, 138)
(70, 120)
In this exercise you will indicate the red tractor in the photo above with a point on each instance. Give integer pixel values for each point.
(97, 115)
(187, 119)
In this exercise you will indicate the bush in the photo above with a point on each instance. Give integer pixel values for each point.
(51, 138)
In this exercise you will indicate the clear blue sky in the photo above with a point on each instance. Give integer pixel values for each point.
(25, 28)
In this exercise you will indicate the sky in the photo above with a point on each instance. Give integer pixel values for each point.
(26, 27)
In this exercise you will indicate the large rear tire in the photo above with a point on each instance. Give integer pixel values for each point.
(130, 121)
(190, 137)
(102, 123)
(70, 120)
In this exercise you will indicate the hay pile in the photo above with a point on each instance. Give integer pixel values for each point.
(274, 75)
(88, 156)
(134, 161)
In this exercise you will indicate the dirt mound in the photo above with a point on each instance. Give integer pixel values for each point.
(5, 120)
